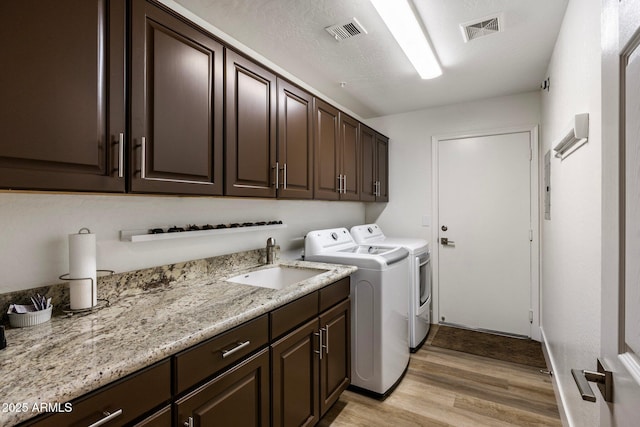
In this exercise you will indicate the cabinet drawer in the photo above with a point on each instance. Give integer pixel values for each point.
(130, 398)
(334, 293)
(199, 362)
(237, 397)
(291, 315)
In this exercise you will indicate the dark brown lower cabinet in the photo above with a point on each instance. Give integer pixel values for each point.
(295, 369)
(335, 366)
(284, 368)
(238, 397)
(311, 367)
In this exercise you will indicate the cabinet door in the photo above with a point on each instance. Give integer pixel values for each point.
(350, 157)
(294, 376)
(251, 128)
(368, 150)
(177, 101)
(62, 115)
(335, 366)
(326, 151)
(382, 168)
(238, 397)
(295, 142)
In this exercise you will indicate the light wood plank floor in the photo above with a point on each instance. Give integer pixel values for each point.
(449, 388)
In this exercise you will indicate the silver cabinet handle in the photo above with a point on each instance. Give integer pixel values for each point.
(143, 160)
(284, 176)
(339, 184)
(121, 156)
(277, 173)
(240, 346)
(344, 186)
(320, 346)
(326, 338)
(189, 422)
(377, 188)
(108, 416)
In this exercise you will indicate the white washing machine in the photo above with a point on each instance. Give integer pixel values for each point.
(379, 309)
(419, 277)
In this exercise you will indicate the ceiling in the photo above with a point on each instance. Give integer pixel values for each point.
(379, 78)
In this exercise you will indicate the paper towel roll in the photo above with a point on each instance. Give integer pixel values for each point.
(82, 265)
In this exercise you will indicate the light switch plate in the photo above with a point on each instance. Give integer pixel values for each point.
(426, 221)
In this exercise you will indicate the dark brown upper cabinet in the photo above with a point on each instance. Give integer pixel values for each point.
(374, 157)
(250, 144)
(326, 151)
(62, 115)
(349, 158)
(337, 151)
(295, 142)
(176, 105)
(382, 145)
(368, 151)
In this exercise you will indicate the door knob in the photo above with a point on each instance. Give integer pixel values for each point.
(446, 242)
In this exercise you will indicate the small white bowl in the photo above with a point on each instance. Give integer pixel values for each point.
(22, 320)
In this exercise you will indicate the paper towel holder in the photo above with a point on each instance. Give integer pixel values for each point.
(101, 302)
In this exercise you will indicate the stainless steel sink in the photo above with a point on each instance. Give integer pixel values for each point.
(276, 277)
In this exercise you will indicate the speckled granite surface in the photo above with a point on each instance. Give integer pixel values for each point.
(154, 313)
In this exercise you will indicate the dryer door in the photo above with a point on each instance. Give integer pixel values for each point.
(423, 278)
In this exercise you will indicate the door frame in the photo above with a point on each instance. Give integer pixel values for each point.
(535, 215)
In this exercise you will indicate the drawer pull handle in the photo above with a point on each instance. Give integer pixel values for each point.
(108, 416)
(240, 346)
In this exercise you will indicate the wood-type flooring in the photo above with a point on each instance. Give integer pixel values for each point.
(449, 388)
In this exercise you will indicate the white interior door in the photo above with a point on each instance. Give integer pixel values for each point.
(621, 280)
(484, 210)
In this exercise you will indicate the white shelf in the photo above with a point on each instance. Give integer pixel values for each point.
(144, 236)
(575, 137)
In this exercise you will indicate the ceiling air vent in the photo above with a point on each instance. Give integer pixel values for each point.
(476, 29)
(345, 31)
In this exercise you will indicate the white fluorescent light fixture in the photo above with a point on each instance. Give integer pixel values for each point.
(403, 24)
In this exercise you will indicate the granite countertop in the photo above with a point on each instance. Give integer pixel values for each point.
(69, 356)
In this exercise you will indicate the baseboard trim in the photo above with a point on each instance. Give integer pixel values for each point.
(560, 397)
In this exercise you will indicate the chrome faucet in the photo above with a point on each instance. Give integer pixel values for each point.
(271, 248)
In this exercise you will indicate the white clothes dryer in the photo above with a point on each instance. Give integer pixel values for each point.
(419, 277)
(379, 310)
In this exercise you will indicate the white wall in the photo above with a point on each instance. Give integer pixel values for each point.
(571, 251)
(34, 229)
(410, 157)
(410, 153)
